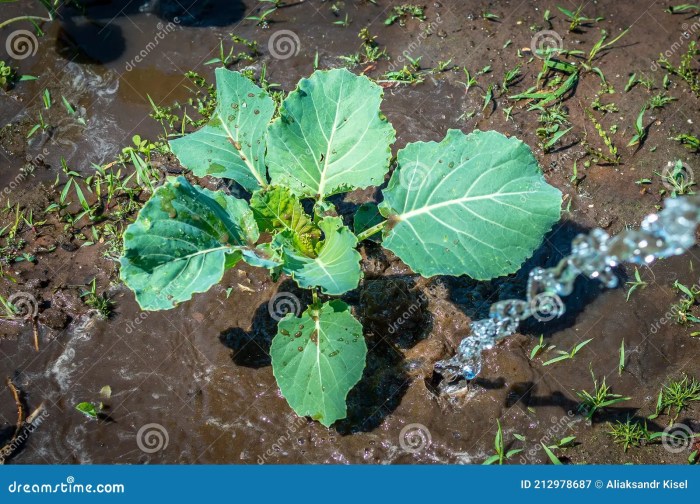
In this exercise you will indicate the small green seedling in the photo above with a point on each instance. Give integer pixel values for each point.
(567, 355)
(621, 363)
(600, 398)
(510, 77)
(488, 96)
(601, 45)
(471, 80)
(99, 302)
(632, 433)
(686, 68)
(680, 9)
(7, 75)
(401, 12)
(678, 179)
(539, 347)
(562, 444)
(501, 454)
(635, 284)
(660, 101)
(676, 396)
(577, 18)
(343, 22)
(329, 137)
(262, 19)
(641, 131)
(88, 409)
(691, 142)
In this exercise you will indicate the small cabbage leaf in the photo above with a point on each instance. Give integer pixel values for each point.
(182, 241)
(472, 204)
(336, 267)
(262, 256)
(278, 210)
(232, 144)
(317, 358)
(331, 136)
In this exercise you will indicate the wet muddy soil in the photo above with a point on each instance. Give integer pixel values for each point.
(194, 384)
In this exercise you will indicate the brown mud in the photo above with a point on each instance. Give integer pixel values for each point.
(202, 370)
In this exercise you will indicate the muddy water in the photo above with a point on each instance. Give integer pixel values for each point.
(201, 371)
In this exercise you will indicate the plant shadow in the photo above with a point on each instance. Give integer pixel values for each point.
(252, 348)
(88, 34)
(475, 298)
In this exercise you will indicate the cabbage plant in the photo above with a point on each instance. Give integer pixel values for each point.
(473, 205)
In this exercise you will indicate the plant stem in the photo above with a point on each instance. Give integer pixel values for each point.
(314, 294)
(370, 231)
(25, 18)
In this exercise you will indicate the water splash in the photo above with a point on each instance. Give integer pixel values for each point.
(668, 233)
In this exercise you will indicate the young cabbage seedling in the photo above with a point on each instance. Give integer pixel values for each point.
(474, 205)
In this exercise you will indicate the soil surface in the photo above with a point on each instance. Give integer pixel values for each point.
(202, 371)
